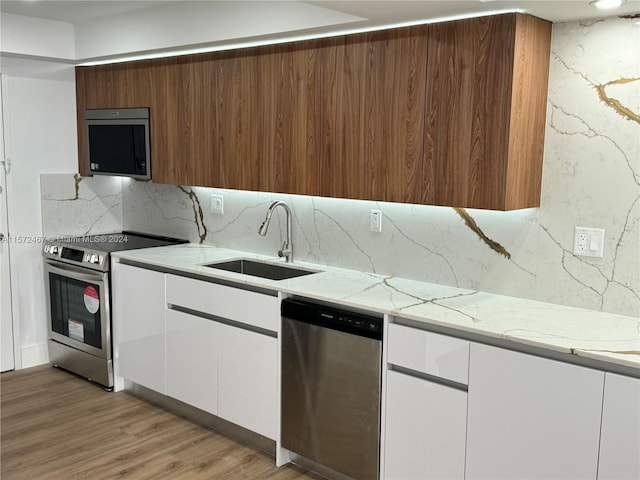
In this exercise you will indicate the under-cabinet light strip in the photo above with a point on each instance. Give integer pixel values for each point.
(218, 48)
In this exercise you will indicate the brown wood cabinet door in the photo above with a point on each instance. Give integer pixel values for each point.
(532, 52)
(470, 66)
(131, 84)
(479, 152)
(373, 98)
(185, 125)
(266, 119)
(236, 97)
(157, 86)
(287, 119)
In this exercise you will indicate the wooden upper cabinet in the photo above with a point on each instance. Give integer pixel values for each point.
(244, 119)
(267, 129)
(446, 114)
(236, 130)
(288, 118)
(486, 110)
(373, 123)
(189, 114)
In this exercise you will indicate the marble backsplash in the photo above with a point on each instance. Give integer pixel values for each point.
(74, 205)
(591, 178)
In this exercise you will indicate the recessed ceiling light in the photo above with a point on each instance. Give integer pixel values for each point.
(607, 4)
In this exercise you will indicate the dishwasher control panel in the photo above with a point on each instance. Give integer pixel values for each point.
(334, 318)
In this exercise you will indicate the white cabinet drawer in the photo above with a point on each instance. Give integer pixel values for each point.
(243, 306)
(430, 353)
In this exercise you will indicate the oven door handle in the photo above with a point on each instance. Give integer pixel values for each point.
(75, 273)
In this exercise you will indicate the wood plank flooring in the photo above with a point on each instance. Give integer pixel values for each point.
(57, 426)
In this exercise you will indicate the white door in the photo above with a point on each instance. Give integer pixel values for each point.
(7, 361)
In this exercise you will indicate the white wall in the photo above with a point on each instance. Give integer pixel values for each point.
(40, 136)
(20, 35)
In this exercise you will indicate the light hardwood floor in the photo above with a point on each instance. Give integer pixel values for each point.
(57, 426)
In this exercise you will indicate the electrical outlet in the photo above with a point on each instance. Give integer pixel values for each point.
(375, 221)
(217, 204)
(588, 242)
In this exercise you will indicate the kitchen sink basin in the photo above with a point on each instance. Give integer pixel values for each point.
(261, 269)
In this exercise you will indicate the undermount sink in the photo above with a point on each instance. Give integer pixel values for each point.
(261, 269)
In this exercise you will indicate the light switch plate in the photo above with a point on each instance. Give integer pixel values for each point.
(588, 242)
(217, 204)
(375, 221)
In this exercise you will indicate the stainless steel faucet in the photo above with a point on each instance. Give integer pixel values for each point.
(287, 246)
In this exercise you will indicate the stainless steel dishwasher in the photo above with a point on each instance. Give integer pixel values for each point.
(331, 381)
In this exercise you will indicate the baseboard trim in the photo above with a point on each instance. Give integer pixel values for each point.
(33, 355)
(221, 425)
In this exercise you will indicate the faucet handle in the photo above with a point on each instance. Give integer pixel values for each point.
(285, 251)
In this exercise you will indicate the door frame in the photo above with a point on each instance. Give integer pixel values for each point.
(7, 313)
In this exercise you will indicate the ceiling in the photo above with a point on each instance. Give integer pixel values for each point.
(378, 11)
(224, 22)
(73, 11)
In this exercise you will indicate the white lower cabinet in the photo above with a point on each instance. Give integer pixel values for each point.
(139, 326)
(620, 436)
(224, 370)
(523, 417)
(426, 405)
(192, 360)
(531, 417)
(425, 429)
(222, 352)
(247, 379)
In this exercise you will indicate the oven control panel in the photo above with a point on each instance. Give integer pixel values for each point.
(82, 257)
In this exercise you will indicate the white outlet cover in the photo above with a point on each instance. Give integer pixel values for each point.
(217, 204)
(588, 242)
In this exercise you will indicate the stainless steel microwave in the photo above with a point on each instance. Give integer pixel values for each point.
(118, 142)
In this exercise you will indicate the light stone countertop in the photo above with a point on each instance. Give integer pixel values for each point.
(605, 337)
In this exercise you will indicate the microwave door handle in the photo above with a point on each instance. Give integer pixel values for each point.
(75, 274)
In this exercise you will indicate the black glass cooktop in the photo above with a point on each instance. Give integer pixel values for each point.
(119, 241)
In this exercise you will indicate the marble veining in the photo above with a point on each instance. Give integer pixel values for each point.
(77, 178)
(471, 223)
(614, 103)
(197, 213)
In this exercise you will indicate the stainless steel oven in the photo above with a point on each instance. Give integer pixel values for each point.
(79, 317)
(77, 281)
